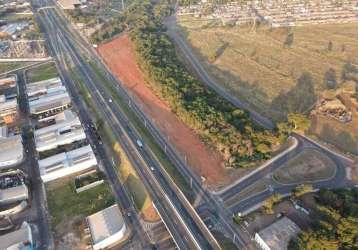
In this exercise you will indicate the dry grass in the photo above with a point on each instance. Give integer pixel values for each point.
(136, 188)
(308, 166)
(257, 66)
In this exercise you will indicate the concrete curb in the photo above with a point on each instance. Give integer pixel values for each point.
(263, 166)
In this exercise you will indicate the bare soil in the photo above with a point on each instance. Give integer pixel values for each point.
(119, 55)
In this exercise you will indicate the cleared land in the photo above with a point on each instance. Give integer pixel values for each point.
(42, 72)
(256, 65)
(68, 210)
(120, 56)
(309, 166)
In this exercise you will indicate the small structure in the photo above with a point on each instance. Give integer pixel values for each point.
(11, 148)
(277, 235)
(20, 239)
(107, 227)
(67, 129)
(68, 163)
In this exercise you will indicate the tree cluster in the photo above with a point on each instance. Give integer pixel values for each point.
(335, 223)
(216, 120)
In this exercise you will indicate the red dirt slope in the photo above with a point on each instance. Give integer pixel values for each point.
(119, 55)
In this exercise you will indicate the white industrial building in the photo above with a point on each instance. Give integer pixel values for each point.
(20, 239)
(68, 163)
(13, 187)
(67, 130)
(107, 228)
(14, 194)
(44, 87)
(50, 104)
(277, 235)
(7, 107)
(11, 148)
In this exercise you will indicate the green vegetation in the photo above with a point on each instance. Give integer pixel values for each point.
(335, 222)
(65, 203)
(308, 166)
(5, 67)
(270, 202)
(301, 190)
(217, 121)
(42, 72)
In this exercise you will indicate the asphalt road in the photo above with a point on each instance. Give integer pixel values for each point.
(39, 216)
(61, 43)
(240, 238)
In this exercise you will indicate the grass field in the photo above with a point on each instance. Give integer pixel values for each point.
(5, 67)
(68, 210)
(257, 66)
(42, 72)
(308, 166)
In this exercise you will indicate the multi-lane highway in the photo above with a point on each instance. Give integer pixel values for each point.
(182, 222)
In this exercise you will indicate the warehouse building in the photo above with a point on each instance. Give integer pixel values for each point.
(11, 148)
(43, 87)
(68, 163)
(13, 187)
(66, 130)
(20, 239)
(277, 235)
(107, 228)
(50, 104)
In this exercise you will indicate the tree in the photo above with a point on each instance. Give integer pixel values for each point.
(270, 202)
(289, 40)
(330, 79)
(298, 122)
(302, 189)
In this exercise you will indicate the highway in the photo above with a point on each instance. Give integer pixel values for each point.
(240, 238)
(186, 233)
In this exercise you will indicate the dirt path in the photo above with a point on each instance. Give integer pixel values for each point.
(119, 55)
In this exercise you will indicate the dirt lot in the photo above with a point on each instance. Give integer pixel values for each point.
(308, 166)
(119, 54)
